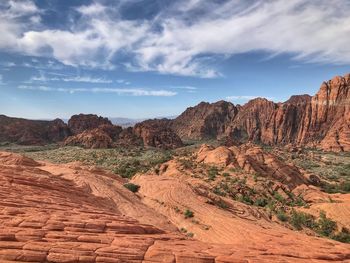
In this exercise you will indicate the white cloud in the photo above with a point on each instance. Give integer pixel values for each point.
(8, 64)
(92, 9)
(67, 78)
(86, 79)
(21, 8)
(123, 81)
(119, 91)
(185, 38)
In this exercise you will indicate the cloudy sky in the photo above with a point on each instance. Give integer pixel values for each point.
(151, 58)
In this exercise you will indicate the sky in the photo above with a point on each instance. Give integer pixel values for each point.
(155, 58)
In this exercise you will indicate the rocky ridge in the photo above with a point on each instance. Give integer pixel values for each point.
(319, 121)
(29, 132)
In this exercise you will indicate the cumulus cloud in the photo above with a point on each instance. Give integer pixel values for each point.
(92, 9)
(119, 91)
(187, 37)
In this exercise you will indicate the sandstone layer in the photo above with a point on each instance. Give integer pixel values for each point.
(322, 120)
(72, 213)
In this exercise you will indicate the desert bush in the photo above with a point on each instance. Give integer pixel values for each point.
(299, 220)
(343, 236)
(326, 226)
(343, 187)
(262, 202)
(132, 187)
(282, 216)
(186, 163)
(188, 213)
(212, 172)
(278, 197)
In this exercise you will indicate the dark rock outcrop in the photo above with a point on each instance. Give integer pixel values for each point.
(93, 139)
(32, 132)
(204, 120)
(82, 122)
(157, 133)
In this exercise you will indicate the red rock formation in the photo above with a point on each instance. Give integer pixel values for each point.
(128, 138)
(264, 121)
(156, 133)
(322, 120)
(252, 159)
(92, 139)
(32, 132)
(204, 120)
(328, 120)
(105, 136)
(82, 122)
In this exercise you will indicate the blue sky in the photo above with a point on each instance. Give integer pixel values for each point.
(151, 58)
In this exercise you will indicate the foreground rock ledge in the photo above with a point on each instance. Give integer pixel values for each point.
(48, 218)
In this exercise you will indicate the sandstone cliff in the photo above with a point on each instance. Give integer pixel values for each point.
(156, 133)
(204, 120)
(319, 121)
(82, 122)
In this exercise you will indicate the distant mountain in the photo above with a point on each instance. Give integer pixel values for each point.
(129, 122)
(322, 120)
(124, 122)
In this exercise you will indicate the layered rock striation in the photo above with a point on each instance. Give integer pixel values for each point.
(319, 121)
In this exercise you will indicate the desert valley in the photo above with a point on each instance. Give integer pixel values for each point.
(259, 182)
(175, 131)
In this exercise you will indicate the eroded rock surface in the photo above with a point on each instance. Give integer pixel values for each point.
(252, 159)
(156, 133)
(322, 120)
(82, 122)
(71, 213)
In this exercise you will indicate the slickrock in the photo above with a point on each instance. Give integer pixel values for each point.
(54, 213)
(156, 133)
(233, 234)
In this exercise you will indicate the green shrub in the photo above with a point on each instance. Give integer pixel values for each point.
(222, 204)
(299, 220)
(326, 226)
(218, 191)
(282, 216)
(343, 236)
(132, 187)
(186, 163)
(190, 234)
(225, 174)
(261, 202)
(279, 197)
(245, 199)
(188, 213)
(212, 172)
